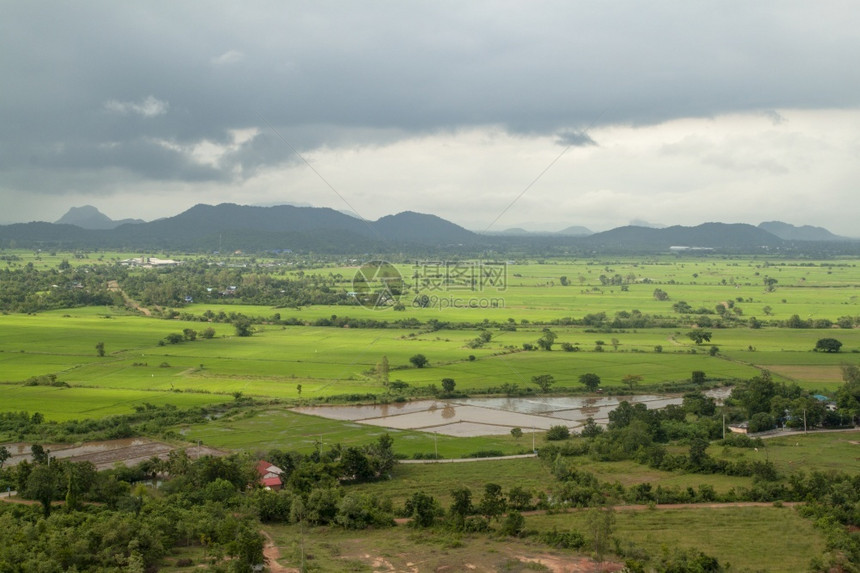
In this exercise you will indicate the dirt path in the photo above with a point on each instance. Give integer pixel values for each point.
(114, 287)
(272, 553)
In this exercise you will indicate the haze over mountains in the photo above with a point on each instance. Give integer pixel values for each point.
(88, 217)
(287, 227)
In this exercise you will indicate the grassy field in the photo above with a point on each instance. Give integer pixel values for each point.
(814, 451)
(62, 404)
(326, 361)
(749, 538)
(292, 364)
(440, 479)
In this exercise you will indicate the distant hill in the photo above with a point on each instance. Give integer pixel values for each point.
(411, 227)
(514, 231)
(576, 231)
(791, 232)
(228, 227)
(642, 223)
(88, 217)
(707, 235)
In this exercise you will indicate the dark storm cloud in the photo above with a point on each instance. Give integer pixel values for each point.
(575, 139)
(133, 87)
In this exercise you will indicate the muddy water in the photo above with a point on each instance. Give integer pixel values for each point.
(493, 416)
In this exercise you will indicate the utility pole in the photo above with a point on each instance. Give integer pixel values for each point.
(804, 421)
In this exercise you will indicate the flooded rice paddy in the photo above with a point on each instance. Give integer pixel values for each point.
(493, 416)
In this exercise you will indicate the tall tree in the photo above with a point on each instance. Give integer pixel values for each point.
(631, 381)
(382, 369)
(43, 485)
(544, 381)
(493, 503)
(699, 336)
(590, 380)
(827, 345)
(547, 339)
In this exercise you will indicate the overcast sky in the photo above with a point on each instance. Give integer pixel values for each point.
(490, 114)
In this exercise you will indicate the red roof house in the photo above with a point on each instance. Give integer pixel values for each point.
(270, 475)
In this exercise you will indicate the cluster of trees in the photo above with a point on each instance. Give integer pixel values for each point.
(767, 404)
(204, 282)
(131, 526)
(212, 502)
(28, 289)
(635, 432)
(501, 512)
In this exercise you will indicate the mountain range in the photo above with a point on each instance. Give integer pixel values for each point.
(88, 217)
(287, 227)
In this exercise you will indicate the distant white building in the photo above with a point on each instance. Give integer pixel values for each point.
(149, 262)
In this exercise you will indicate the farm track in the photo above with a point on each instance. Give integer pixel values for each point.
(272, 553)
(131, 303)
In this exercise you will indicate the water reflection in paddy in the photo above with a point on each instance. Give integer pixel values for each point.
(492, 416)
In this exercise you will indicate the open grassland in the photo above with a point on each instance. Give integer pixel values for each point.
(629, 473)
(62, 404)
(294, 363)
(405, 549)
(815, 451)
(748, 538)
(440, 479)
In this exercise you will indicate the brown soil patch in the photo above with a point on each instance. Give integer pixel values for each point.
(573, 564)
(272, 553)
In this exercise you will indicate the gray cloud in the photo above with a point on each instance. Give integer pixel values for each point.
(130, 90)
(575, 139)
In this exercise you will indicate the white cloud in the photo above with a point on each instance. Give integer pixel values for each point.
(227, 58)
(151, 106)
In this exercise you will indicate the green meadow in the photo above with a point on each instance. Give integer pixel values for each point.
(803, 452)
(303, 362)
(748, 538)
(62, 404)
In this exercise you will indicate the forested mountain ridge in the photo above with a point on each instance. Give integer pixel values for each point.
(229, 227)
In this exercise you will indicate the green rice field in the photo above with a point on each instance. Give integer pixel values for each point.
(306, 363)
